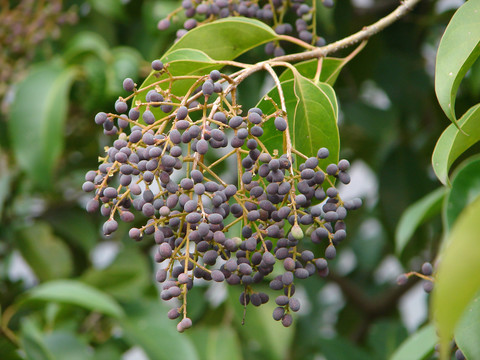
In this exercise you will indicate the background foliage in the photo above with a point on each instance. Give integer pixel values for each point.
(95, 297)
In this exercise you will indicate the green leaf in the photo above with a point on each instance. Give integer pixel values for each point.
(331, 68)
(74, 292)
(341, 349)
(385, 336)
(466, 333)
(37, 118)
(125, 63)
(465, 189)
(146, 325)
(38, 246)
(453, 142)
(32, 342)
(5, 180)
(457, 278)
(86, 42)
(415, 215)
(418, 346)
(457, 51)
(66, 345)
(266, 338)
(110, 8)
(227, 38)
(216, 343)
(311, 118)
(125, 279)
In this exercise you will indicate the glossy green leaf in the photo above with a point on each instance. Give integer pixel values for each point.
(74, 292)
(146, 325)
(457, 278)
(457, 51)
(311, 118)
(415, 215)
(465, 189)
(331, 68)
(227, 38)
(216, 343)
(38, 246)
(66, 345)
(37, 118)
(453, 142)
(418, 346)
(466, 333)
(125, 278)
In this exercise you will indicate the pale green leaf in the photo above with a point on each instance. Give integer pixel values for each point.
(468, 330)
(457, 278)
(74, 292)
(415, 215)
(418, 346)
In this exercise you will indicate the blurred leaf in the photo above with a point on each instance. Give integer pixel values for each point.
(125, 279)
(126, 63)
(86, 42)
(227, 38)
(457, 51)
(457, 278)
(311, 119)
(341, 349)
(465, 189)
(8, 350)
(260, 334)
(32, 342)
(5, 180)
(75, 293)
(331, 68)
(415, 215)
(66, 345)
(453, 142)
(38, 246)
(385, 336)
(110, 8)
(418, 346)
(146, 325)
(216, 343)
(72, 224)
(37, 117)
(466, 333)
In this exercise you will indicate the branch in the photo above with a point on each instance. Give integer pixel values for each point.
(359, 36)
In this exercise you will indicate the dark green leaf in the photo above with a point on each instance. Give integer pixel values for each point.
(466, 333)
(465, 189)
(5, 180)
(457, 51)
(75, 293)
(415, 215)
(125, 63)
(457, 278)
(453, 142)
(385, 336)
(146, 325)
(341, 349)
(38, 246)
(37, 117)
(418, 346)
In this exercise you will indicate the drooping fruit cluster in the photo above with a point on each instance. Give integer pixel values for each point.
(272, 12)
(234, 227)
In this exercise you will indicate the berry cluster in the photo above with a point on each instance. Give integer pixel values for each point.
(164, 165)
(426, 274)
(273, 12)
